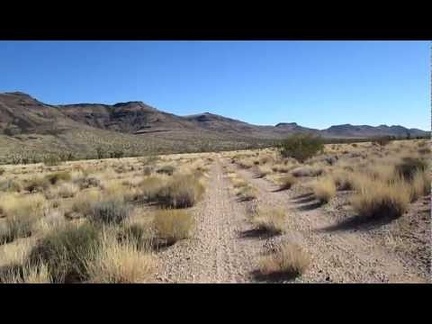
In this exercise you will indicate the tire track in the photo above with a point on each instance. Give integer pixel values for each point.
(216, 253)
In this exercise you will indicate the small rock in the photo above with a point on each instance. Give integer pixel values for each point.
(327, 278)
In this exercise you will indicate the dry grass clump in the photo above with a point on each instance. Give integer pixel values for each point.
(286, 182)
(66, 252)
(246, 193)
(10, 185)
(324, 189)
(150, 186)
(307, 171)
(182, 191)
(84, 200)
(269, 220)
(120, 262)
(173, 225)
(343, 180)
(109, 212)
(13, 204)
(261, 171)
(245, 163)
(87, 182)
(137, 233)
(16, 227)
(377, 199)
(409, 166)
(33, 274)
(63, 190)
(53, 178)
(288, 261)
(420, 185)
(166, 169)
(36, 184)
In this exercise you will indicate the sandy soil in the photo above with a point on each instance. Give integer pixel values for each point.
(222, 252)
(339, 255)
(217, 253)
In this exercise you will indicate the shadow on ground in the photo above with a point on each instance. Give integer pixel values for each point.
(243, 199)
(303, 196)
(358, 223)
(305, 200)
(312, 206)
(274, 277)
(282, 188)
(257, 233)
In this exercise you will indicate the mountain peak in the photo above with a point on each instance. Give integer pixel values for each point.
(286, 124)
(129, 103)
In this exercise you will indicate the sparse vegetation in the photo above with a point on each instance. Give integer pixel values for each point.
(166, 169)
(66, 252)
(324, 189)
(16, 227)
(182, 191)
(409, 166)
(270, 220)
(173, 225)
(117, 262)
(288, 261)
(286, 182)
(381, 200)
(109, 212)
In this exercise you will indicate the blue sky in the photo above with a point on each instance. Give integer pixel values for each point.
(314, 83)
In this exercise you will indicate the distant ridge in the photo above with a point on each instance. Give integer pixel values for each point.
(138, 126)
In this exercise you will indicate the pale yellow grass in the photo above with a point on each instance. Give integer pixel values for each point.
(117, 262)
(84, 200)
(289, 260)
(173, 225)
(16, 252)
(381, 200)
(13, 204)
(324, 189)
(270, 220)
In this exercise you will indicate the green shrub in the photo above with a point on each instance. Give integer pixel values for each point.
(301, 146)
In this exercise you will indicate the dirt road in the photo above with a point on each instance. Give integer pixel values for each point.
(219, 253)
(216, 253)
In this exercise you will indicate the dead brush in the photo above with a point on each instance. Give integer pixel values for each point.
(173, 225)
(287, 262)
(269, 220)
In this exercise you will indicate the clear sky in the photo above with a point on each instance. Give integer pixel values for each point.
(314, 83)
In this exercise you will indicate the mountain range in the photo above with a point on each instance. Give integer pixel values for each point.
(136, 125)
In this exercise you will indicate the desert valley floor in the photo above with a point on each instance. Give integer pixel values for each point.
(227, 217)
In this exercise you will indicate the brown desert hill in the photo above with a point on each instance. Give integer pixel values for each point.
(20, 113)
(29, 125)
(127, 117)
